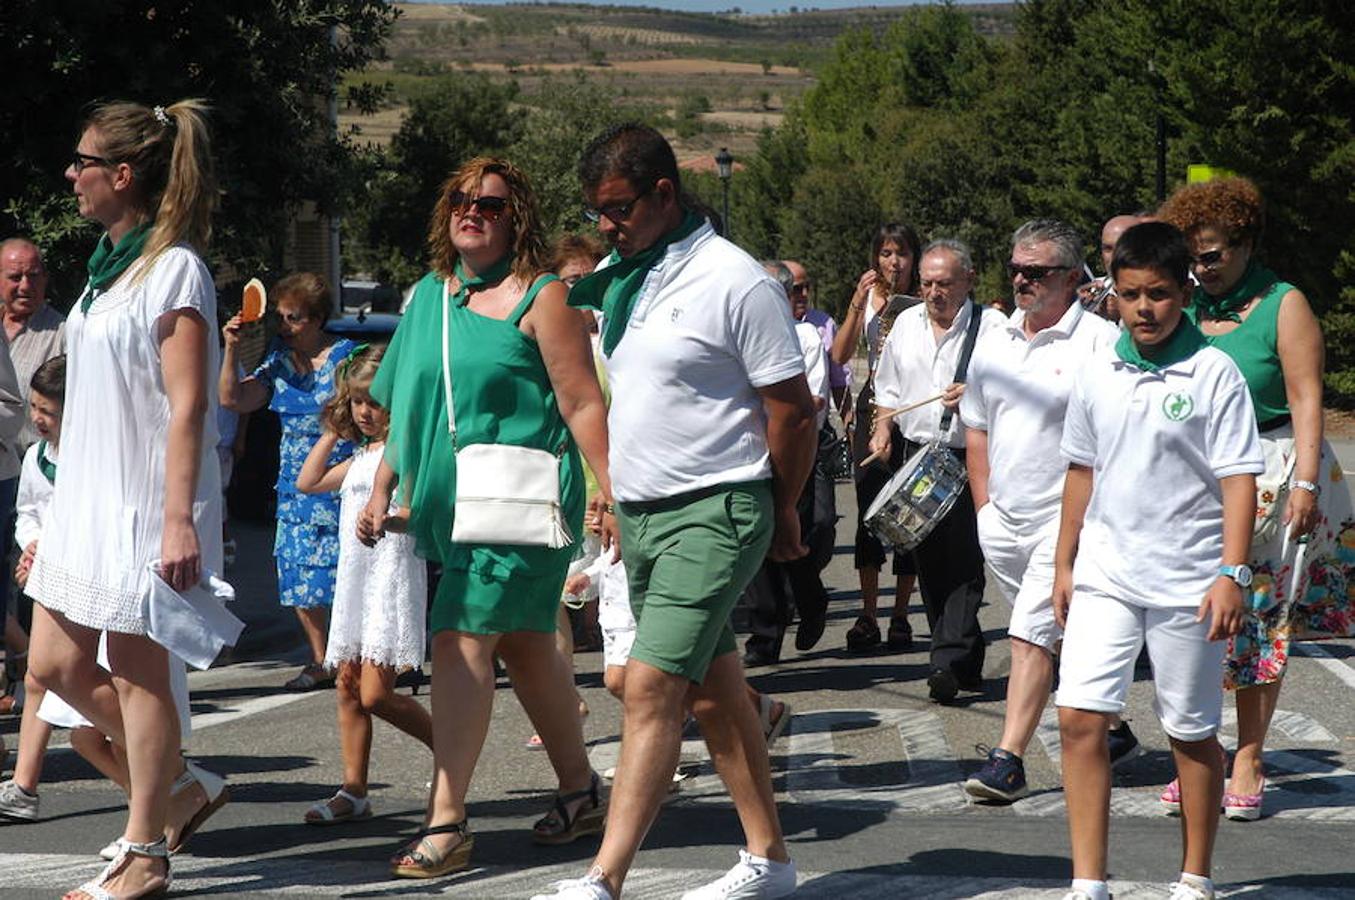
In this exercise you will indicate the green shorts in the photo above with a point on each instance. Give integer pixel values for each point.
(688, 558)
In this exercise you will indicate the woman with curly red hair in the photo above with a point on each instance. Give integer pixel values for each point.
(1304, 521)
(521, 374)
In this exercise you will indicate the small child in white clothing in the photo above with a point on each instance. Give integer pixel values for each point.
(376, 626)
(1158, 506)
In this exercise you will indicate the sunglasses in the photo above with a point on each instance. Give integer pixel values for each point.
(489, 208)
(81, 161)
(1032, 273)
(801, 288)
(617, 213)
(1209, 260)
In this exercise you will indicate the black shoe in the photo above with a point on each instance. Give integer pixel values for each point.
(972, 685)
(1002, 778)
(1123, 745)
(810, 630)
(900, 637)
(758, 656)
(942, 685)
(863, 636)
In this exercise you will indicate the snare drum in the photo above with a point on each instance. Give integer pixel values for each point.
(917, 497)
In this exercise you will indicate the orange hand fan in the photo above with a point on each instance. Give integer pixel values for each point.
(255, 301)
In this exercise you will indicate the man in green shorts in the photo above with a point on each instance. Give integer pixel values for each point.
(712, 437)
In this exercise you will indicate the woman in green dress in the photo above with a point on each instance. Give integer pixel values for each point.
(522, 374)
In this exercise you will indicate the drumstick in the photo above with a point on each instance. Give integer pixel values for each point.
(898, 412)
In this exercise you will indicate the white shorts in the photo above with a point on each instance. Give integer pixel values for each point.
(615, 617)
(1023, 565)
(1102, 641)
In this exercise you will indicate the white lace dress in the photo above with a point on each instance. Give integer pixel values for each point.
(381, 592)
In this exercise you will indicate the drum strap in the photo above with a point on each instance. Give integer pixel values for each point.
(962, 367)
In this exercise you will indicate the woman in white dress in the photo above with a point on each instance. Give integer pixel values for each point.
(138, 494)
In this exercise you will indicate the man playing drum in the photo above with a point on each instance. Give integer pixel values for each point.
(919, 361)
(1019, 383)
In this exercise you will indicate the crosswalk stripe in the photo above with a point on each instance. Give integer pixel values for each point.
(1326, 660)
(293, 876)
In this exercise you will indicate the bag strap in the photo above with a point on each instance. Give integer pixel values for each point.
(962, 367)
(447, 360)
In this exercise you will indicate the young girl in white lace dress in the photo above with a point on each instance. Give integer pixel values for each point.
(376, 627)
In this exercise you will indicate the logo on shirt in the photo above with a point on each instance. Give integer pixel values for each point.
(1177, 406)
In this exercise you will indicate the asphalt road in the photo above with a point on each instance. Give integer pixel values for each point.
(868, 779)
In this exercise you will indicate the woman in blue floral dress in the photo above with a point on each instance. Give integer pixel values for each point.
(295, 379)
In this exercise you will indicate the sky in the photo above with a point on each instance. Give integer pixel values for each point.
(748, 6)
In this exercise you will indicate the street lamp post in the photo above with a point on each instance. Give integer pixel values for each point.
(724, 164)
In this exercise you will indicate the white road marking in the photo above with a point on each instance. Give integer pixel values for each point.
(1326, 660)
(230, 711)
(293, 876)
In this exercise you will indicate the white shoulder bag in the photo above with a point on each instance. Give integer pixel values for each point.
(504, 494)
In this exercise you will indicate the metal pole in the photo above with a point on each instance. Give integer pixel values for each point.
(728, 230)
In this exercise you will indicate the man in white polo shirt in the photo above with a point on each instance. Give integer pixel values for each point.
(919, 361)
(1013, 410)
(712, 437)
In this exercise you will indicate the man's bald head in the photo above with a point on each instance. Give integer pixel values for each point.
(1110, 233)
(23, 278)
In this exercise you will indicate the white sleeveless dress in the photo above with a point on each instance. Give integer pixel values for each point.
(108, 507)
(381, 592)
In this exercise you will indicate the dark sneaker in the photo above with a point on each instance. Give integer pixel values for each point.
(864, 635)
(759, 656)
(1002, 778)
(900, 638)
(942, 686)
(1123, 745)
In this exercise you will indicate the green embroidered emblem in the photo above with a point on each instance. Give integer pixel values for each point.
(1177, 406)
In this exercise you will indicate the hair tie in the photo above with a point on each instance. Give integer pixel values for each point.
(350, 358)
(161, 116)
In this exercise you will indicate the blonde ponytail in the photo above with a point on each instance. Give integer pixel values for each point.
(169, 150)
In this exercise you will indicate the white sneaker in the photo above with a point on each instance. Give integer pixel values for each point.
(589, 887)
(1183, 891)
(752, 878)
(16, 803)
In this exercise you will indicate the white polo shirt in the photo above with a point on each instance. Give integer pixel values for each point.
(708, 329)
(914, 365)
(816, 368)
(1157, 444)
(1018, 392)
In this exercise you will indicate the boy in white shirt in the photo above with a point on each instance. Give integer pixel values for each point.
(1156, 525)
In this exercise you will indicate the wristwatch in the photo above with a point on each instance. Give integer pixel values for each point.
(1308, 486)
(1240, 574)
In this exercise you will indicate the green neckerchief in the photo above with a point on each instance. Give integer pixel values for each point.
(1254, 282)
(1184, 342)
(614, 289)
(45, 465)
(493, 275)
(109, 261)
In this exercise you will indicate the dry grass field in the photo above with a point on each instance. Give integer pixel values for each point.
(747, 69)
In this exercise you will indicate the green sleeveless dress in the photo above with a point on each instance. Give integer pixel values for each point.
(503, 396)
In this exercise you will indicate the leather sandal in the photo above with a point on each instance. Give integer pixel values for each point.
(772, 728)
(323, 814)
(427, 860)
(311, 678)
(157, 887)
(213, 788)
(559, 827)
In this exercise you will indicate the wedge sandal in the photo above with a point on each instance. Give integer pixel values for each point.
(559, 827)
(429, 862)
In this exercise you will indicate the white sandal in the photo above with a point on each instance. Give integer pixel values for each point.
(95, 889)
(358, 808)
(772, 730)
(213, 787)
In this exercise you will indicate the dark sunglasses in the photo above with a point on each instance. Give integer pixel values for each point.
(81, 161)
(617, 213)
(801, 288)
(490, 208)
(1209, 259)
(1032, 273)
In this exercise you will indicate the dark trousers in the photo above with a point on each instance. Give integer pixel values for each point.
(951, 580)
(780, 586)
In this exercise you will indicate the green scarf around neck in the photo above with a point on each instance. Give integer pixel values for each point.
(1183, 343)
(491, 276)
(614, 289)
(1254, 282)
(110, 261)
(45, 465)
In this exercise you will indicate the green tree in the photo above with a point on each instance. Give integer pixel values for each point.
(828, 226)
(266, 66)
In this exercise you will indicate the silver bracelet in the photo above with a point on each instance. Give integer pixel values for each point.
(1306, 485)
